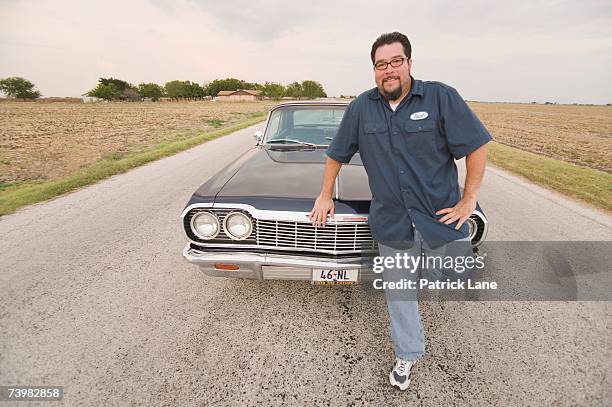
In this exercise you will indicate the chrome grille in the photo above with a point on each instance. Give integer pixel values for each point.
(339, 237)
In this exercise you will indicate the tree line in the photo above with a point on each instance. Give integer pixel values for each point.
(19, 88)
(117, 89)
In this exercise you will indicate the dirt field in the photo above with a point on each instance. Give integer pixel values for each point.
(50, 140)
(577, 134)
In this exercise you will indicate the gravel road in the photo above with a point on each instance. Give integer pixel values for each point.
(95, 296)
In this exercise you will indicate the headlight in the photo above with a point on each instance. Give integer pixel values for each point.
(237, 226)
(205, 225)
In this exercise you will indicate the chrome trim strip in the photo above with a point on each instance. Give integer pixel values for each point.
(264, 214)
(263, 135)
(288, 249)
(336, 186)
(310, 103)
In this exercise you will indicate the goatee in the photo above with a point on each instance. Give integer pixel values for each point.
(394, 94)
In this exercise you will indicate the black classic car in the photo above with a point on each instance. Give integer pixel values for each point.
(251, 219)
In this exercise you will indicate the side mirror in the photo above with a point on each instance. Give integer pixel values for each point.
(258, 136)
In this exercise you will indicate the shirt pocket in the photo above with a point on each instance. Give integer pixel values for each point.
(420, 137)
(376, 137)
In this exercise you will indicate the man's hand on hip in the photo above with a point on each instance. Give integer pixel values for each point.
(460, 212)
(318, 214)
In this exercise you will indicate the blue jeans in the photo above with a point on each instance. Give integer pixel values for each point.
(406, 327)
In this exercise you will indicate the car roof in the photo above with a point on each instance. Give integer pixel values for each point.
(319, 102)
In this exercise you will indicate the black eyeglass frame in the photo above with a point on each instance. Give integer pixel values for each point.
(378, 65)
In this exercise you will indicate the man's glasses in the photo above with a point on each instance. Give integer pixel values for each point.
(395, 63)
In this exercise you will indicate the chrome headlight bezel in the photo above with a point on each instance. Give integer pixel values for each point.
(197, 232)
(479, 227)
(226, 229)
(473, 227)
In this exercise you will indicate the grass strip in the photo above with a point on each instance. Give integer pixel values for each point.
(586, 184)
(14, 195)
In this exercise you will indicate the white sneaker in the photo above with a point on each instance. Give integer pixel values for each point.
(400, 375)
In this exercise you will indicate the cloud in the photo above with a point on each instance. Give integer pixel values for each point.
(263, 20)
(537, 50)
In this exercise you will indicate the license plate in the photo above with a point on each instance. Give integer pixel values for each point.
(334, 277)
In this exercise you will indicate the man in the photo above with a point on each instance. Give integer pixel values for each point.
(408, 133)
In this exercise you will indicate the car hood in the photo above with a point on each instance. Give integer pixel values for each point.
(293, 174)
(270, 178)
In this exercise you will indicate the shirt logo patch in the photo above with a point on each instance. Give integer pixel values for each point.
(419, 115)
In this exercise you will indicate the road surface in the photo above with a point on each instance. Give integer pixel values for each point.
(96, 297)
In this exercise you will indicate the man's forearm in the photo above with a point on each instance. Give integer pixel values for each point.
(332, 168)
(475, 164)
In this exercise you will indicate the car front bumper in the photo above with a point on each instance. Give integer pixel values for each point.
(265, 266)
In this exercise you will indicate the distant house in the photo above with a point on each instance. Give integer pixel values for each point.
(239, 95)
(90, 99)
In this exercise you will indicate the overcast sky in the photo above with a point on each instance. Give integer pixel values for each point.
(491, 51)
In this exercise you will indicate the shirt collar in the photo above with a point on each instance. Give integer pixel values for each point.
(415, 89)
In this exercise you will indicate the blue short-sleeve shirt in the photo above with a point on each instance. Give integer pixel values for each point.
(409, 156)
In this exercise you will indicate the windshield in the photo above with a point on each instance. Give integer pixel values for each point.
(303, 125)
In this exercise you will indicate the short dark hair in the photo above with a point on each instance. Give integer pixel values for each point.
(390, 38)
